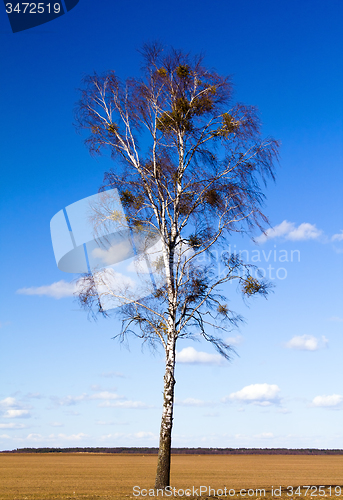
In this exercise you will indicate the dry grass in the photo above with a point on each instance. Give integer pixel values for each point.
(112, 477)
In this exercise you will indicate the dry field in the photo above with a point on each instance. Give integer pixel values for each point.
(112, 477)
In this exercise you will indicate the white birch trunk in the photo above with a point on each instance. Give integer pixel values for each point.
(163, 464)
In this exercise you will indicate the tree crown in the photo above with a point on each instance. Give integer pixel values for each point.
(191, 166)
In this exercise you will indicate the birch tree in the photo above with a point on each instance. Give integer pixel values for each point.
(190, 163)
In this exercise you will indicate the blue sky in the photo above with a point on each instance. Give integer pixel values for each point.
(64, 382)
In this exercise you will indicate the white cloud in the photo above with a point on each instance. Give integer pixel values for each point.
(131, 436)
(143, 434)
(69, 400)
(337, 319)
(190, 355)
(72, 400)
(284, 411)
(107, 400)
(10, 408)
(58, 290)
(34, 437)
(72, 437)
(7, 402)
(115, 253)
(105, 395)
(112, 374)
(96, 387)
(304, 231)
(327, 401)
(276, 231)
(111, 422)
(233, 341)
(241, 436)
(264, 435)
(16, 414)
(109, 281)
(34, 395)
(56, 437)
(133, 405)
(307, 343)
(338, 236)
(12, 426)
(260, 394)
(116, 289)
(191, 402)
(289, 231)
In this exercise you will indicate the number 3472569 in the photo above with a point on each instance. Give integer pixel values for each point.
(33, 8)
